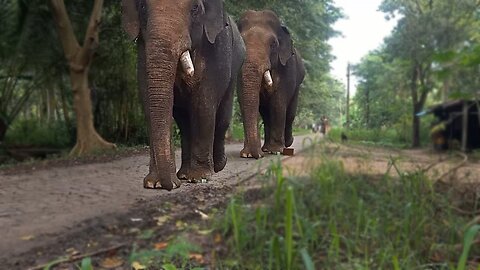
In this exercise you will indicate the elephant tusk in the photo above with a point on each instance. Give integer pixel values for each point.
(268, 78)
(187, 63)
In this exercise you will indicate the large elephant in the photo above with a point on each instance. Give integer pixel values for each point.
(189, 55)
(269, 82)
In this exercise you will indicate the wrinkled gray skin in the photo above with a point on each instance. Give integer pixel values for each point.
(202, 104)
(269, 47)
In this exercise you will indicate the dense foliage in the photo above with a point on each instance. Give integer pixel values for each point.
(431, 56)
(35, 84)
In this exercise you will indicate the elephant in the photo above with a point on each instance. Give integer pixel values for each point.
(269, 83)
(189, 55)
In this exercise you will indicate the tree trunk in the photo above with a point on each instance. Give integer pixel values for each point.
(415, 128)
(79, 59)
(88, 140)
(3, 129)
(465, 126)
(367, 113)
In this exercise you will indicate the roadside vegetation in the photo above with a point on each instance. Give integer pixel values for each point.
(329, 219)
(325, 217)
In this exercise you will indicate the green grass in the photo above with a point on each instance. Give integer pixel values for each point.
(334, 220)
(176, 254)
(374, 137)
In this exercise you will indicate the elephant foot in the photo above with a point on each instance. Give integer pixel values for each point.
(248, 153)
(288, 140)
(219, 162)
(182, 174)
(199, 175)
(272, 149)
(151, 181)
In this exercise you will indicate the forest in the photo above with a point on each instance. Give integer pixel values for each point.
(431, 56)
(37, 99)
(371, 191)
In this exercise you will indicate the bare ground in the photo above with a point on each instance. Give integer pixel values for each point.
(451, 167)
(64, 210)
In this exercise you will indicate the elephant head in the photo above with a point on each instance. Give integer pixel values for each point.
(168, 32)
(269, 47)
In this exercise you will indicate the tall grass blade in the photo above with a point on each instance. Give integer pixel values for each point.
(86, 264)
(467, 244)
(236, 229)
(289, 226)
(307, 260)
(396, 265)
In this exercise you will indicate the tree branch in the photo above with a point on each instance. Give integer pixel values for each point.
(64, 29)
(91, 37)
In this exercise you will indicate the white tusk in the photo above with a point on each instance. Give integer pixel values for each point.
(268, 78)
(187, 63)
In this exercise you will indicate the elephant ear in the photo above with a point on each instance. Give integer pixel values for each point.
(130, 20)
(215, 19)
(286, 45)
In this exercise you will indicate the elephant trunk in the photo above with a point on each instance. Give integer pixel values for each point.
(251, 83)
(162, 64)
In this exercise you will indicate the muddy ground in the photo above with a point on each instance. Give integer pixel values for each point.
(70, 209)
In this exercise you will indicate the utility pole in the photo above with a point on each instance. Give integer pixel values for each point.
(348, 97)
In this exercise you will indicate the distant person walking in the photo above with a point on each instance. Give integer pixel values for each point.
(325, 125)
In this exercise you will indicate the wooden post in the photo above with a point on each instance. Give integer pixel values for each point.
(348, 97)
(465, 126)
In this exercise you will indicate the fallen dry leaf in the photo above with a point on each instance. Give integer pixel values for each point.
(161, 220)
(161, 245)
(27, 237)
(218, 238)
(111, 262)
(180, 224)
(204, 232)
(72, 251)
(196, 257)
(138, 266)
(202, 214)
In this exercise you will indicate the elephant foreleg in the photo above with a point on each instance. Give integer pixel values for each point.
(277, 127)
(223, 118)
(264, 112)
(183, 122)
(291, 112)
(202, 123)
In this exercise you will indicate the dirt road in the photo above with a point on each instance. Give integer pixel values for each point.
(38, 208)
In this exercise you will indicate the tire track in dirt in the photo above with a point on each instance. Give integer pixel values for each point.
(39, 207)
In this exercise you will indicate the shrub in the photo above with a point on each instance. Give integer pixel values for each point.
(34, 133)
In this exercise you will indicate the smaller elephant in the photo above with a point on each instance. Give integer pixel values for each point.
(269, 83)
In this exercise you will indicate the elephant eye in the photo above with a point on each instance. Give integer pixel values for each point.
(196, 9)
(274, 44)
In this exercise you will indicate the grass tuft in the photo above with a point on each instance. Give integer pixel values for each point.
(333, 220)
